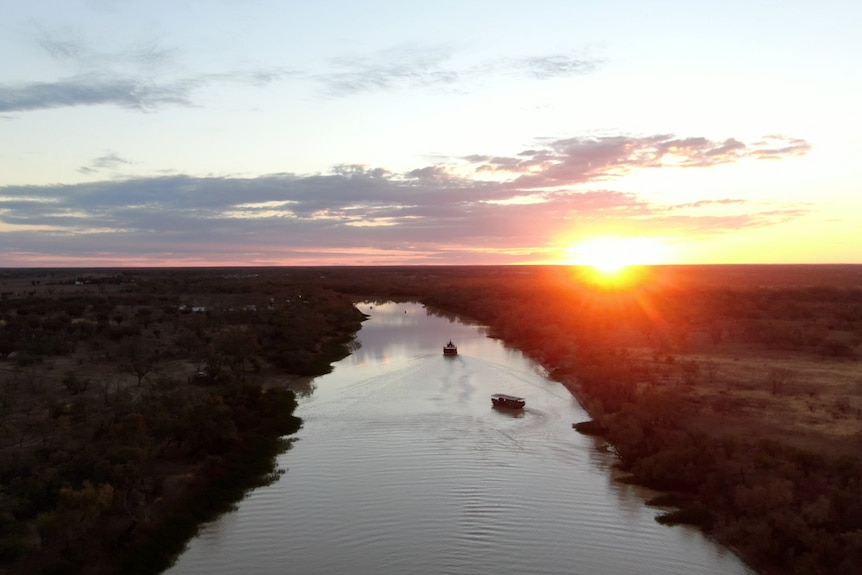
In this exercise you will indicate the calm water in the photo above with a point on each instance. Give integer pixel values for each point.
(403, 467)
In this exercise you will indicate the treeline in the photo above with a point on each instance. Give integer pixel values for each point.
(130, 415)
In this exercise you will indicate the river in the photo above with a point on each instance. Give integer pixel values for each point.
(402, 466)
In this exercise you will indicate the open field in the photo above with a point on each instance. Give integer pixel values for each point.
(812, 403)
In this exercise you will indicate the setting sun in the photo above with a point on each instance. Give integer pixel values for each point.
(615, 262)
(611, 255)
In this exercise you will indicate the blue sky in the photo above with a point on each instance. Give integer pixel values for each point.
(264, 133)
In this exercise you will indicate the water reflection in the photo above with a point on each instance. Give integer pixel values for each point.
(509, 412)
(404, 466)
(303, 386)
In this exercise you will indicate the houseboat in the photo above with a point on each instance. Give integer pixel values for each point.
(510, 401)
(450, 349)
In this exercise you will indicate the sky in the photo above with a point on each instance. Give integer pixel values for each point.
(276, 132)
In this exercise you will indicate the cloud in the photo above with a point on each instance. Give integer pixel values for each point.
(279, 214)
(431, 212)
(147, 76)
(92, 90)
(394, 68)
(418, 67)
(135, 76)
(553, 66)
(705, 203)
(108, 161)
(578, 160)
(777, 146)
(60, 49)
(140, 76)
(69, 47)
(137, 93)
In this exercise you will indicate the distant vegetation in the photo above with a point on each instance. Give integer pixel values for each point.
(127, 395)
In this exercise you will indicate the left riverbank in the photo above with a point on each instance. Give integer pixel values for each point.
(138, 404)
(212, 487)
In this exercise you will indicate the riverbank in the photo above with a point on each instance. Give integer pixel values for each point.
(131, 413)
(759, 471)
(212, 489)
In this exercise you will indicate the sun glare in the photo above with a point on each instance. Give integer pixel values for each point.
(610, 258)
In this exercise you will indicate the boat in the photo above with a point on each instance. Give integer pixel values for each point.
(450, 349)
(510, 401)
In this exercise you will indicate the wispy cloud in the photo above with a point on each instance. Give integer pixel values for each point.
(777, 146)
(420, 67)
(145, 75)
(432, 211)
(394, 68)
(553, 65)
(142, 76)
(136, 76)
(108, 161)
(89, 90)
(69, 47)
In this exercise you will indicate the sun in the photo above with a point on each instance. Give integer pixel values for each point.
(611, 257)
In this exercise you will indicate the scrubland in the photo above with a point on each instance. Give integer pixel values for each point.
(736, 391)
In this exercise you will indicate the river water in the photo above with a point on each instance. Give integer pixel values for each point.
(402, 466)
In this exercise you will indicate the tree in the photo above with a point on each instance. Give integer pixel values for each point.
(76, 511)
(236, 347)
(138, 363)
(75, 384)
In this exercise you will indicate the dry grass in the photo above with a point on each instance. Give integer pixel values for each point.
(802, 399)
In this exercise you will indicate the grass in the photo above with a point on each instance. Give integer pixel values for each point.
(819, 405)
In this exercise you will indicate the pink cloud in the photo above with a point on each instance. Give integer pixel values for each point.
(579, 160)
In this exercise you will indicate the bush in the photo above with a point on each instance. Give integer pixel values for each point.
(591, 427)
(697, 516)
